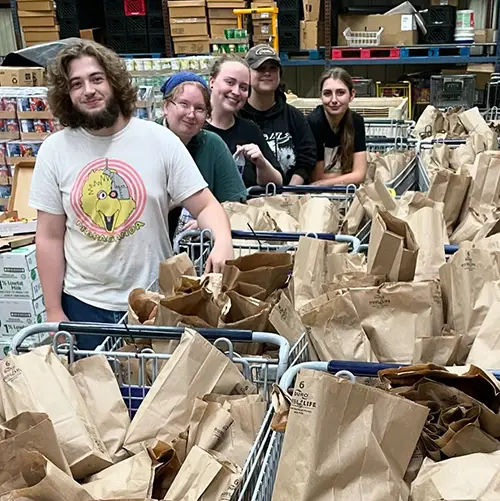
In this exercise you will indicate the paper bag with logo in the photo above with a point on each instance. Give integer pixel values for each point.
(334, 329)
(375, 195)
(468, 289)
(393, 250)
(395, 315)
(100, 391)
(361, 445)
(205, 475)
(440, 481)
(39, 382)
(285, 319)
(37, 480)
(143, 306)
(427, 224)
(269, 270)
(353, 217)
(33, 431)
(172, 269)
(132, 478)
(319, 215)
(450, 189)
(196, 368)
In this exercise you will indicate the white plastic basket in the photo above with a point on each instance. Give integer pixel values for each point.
(363, 38)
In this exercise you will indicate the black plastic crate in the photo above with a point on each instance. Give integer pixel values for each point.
(157, 41)
(67, 9)
(154, 7)
(441, 14)
(69, 28)
(116, 24)
(155, 24)
(136, 25)
(289, 5)
(289, 39)
(137, 44)
(437, 34)
(117, 42)
(114, 8)
(288, 20)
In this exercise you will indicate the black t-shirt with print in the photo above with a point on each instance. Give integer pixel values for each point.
(246, 132)
(328, 140)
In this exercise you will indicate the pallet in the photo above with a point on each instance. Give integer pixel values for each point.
(154, 55)
(413, 52)
(313, 54)
(365, 53)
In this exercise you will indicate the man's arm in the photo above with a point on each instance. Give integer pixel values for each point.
(210, 214)
(51, 262)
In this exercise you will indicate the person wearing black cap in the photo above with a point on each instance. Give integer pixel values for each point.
(285, 127)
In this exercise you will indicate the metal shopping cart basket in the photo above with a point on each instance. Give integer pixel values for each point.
(388, 127)
(449, 250)
(262, 372)
(198, 244)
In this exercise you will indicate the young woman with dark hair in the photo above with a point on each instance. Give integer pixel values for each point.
(339, 132)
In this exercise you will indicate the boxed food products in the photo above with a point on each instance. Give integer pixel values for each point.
(308, 34)
(9, 129)
(179, 8)
(191, 45)
(16, 77)
(22, 151)
(41, 35)
(36, 129)
(33, 107)
(15, 314)
(19, 277)
(188, 27)
(36, 6)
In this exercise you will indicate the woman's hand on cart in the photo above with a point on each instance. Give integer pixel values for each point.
(221, 253)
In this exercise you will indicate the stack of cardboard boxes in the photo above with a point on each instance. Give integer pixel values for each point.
(221, 16)
(262, 22)
(188, 26)
(38, 21)
(311, 26)
(22, 77)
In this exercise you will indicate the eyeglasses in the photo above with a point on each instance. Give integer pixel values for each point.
(186, 108)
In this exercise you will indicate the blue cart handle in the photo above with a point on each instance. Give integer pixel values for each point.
(450, 249)
(361, 369)
(273, 189)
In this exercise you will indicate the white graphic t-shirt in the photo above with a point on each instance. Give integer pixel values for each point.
(116, 192)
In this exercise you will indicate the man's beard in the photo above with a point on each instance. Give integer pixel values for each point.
(98, 120)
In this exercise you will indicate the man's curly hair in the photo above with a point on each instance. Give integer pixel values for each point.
(58, 77)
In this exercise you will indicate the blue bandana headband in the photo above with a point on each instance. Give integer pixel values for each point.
(184, 76)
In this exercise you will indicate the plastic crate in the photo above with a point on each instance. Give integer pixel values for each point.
(156, 41)
(137, 44)
(134, 7)
(289, 39)
(117, 42)
(364, 87)
(154, 7)
(116, 25)
(440, 14)
(438, 34)
(289, 5)
(66, 9)
(114, 8)
(136, 25)
(288, 20)
(155, 24)
(69, 28)
(362, 38)
(456, 90)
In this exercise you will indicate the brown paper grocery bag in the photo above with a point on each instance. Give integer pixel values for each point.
(485, 189)
(354, 279)
(375, 195)
(172, 269)
(269, 270)
(468, 228)
(428, 227)
(33, 431)
(39, 382)
(334, 328)
(338, 264)
(285, 320)
(131, 368)
(283, 222)
(288, 204)
(205, 475)
(132, 478)
(209, 422)
(143, 306)
(429, 123)
(439, 350)
(196, 368)
(441, 481)
(439, 158)
(353, 217)
(167, 461)
(241, 216)
(412, 201)
(395, 315)
(450, 189)
(360, 447)
(41, 480)
(392, 250)
(100, 391)
(473, 121)
(249, 290)
(319, 215)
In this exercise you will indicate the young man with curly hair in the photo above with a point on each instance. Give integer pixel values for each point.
(103, 186)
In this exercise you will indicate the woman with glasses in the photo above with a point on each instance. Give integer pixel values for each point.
(186, 108)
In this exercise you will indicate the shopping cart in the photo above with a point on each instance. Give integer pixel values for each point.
(199, 243)
(388, 128)
(448, 249)
(261, 371)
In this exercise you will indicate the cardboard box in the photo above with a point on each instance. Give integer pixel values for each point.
(192, 27)
(261, 27)
(311, 9)
(39, 6)
(17, 314)
(191, 45)
(308, 34)
(186, 8)
(399, 29)
(217, 30)
(38, 78)
(221, 13)
(19, 277)
(28, 22)
(16, 77)
(41, 36)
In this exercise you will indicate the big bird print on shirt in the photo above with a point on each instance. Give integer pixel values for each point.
(108, 198)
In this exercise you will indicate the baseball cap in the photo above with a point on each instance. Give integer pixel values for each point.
(260, 54)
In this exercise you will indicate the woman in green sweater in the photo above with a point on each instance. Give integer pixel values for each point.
(186, 108)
